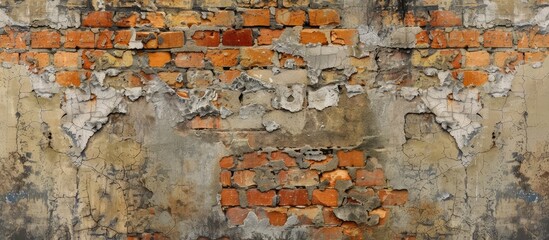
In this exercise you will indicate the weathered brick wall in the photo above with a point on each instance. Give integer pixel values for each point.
(273, 119)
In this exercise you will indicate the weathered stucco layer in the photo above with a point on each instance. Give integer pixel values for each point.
(109, 159)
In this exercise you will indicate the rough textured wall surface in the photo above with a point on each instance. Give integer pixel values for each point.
(274, 119)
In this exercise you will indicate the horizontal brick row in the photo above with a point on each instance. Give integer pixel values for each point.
(472, 38)
(248, 17)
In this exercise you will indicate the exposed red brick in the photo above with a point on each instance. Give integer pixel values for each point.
(328, 197)
(159, 59)
(122, 39)
(297, 60)
(153, 19)
(322, 17)
(464, 38)
(393, 197)
(294, 197)
(80, 39)
(477, 59)
(497, 39)
(190, 60)
(227, 162)
(313, 36)
(240, 37)
(257, 198)
(229, 197)
(474, 78)
(256, 57)
(198, 122)
(252, 160)
(277, 218)
(439, 39)
(335, 175)
(229, 76)
(171, 40)
(219, 18)
(206, 38)
(13, 39)
(65, 59)
(540, 41)
(244, 178)
(104, 40)
(266, 36)
(290, 17)
(329, 217)
(89, 57)
(66, 79)
(532, 56)
(422, 39)
(9, 57)
(256, 17)
(353, 158)
(127, 19)
(223, 58)
(35, 59)
(367, 178)
(225, 178)
(442, 18)
(236, 215)
(99, 19)
(344, 36)
(149, 39)
(508, 59)
(288, 160)
(45, 39)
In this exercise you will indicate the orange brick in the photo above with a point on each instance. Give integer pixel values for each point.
(294, 197)
(295, 3)
(149, 39)
(227, 162)
(229, 197)
(439, 39)
(244, 178)
(45, 39)
(159, 59)
(256, 17)
(277, 218)
(474, 78)
(297, 60)
(9, 57)
(256, 57)
(229, 76)
(322, 17)
(252, 160)
(290, 17)
(508, 59)
(288, 160)
(464, 38)
(240, 37)
(223, 58)
(99, 19)
(184, 19)
(540, 41)
(206, 38)
(190, 60)
(225, 178)
(236, 215)
(67, 79)
(313, 36)
(327, 197)
(367, 178)
(393, 197)
(257, 198)
(220, 19)
(206, 123)
(125, 19)
(477, 59)
(104, 40)
(153, 19)
(442, 18)
(172, 79)
(266, 36)
(122, 39)
(13, 39)
(353, 158)
(35, 59)
(171, 40)
(80, 39)
(344, 36)
(535, 56)
(65, 59)
(89, 57)
(333, 176)
(329, 217)
(422, 39)
(498, 38)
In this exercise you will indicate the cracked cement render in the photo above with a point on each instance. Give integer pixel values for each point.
(226, 119)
